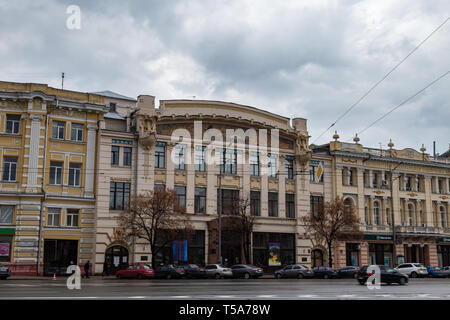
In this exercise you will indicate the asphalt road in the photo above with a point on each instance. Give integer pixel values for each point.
(231, 289)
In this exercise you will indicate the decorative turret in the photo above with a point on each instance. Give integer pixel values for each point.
(356, 139)
(146, 119)
(335, 136)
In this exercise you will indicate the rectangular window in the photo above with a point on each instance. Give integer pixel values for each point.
(180, 156)
(160, 155)
(9, 168)
(272, 165)
(181, 192)
(114, 155)
(228, 161)
(6, 214)
(255, 203)
(53, 217)
(199, 158)
(119, 196)
(76, 132)
(289, 166)
(230, 201)
(74, 174)
(12, 123)
(290, 205)
(254, 164)
(58, 129)
(55, 172)
(200, 200)
(273, 204)
(316, 202)
(112, 107)
(5, 248)
(72, 217)
(127, 156)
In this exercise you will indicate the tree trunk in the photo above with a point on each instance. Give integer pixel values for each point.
(330, 255)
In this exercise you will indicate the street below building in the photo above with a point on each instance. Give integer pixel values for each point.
(231, 289)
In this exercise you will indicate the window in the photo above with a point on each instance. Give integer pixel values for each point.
(114, 155)
(312, 174)
(316, 202)
(408, 183)
(160, 155)
(289, 166)
(272, 165)
(273, 204)
(76, 132)
(230, 201)
(442, 216)
(55, 172)
(350, 177)
(181, 192)
(119, 196)
(5, 245)
(180, 156)
(112, 107)
(255, 203)
(72, 217)
(254, 163)
(200, 200)
(290, 205)
(375, 180)
(376, 213)
(199, 158)
(58, 129)
(6, 214)
(410, 214)
(228, 161)
(74, 174)
(127, 156)
(53, 217)
(12, 123)
(159, 187)
(9, 168)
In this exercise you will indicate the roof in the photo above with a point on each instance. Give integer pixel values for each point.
(110, 94)
(114, 115)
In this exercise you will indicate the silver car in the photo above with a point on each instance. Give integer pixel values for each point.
(413, 270)
(218, 271)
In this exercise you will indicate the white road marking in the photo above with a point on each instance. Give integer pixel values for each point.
(225, 297)
(137, 297)
(181, 297)
(346, 296)
(308, 296)
(266, 296)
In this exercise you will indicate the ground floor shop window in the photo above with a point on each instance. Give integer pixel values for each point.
(317, 258)
(5, 248)
(352, 254)
(267, 245)
(380, 254)
(416, 253)
(58, 255)
(443, 252)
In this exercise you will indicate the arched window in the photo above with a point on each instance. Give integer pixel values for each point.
(376, 212)
(442, 216)
(411, 214)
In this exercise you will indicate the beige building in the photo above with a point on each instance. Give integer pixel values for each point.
(408, 183)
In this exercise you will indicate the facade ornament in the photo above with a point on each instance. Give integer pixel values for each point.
(335, 136)
(302, 151)
(356, 139)
(147, 130)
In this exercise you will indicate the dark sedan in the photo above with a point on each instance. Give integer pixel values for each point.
(324, 272)
(348, 272)
(169, 271)
(194, 271)
(388, 275)
(4, 272)
(294, 271)
(246, 271)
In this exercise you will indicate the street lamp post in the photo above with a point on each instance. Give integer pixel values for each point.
(220, 219)
(394, 240)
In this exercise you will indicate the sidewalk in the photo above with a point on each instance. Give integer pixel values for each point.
(49, 278)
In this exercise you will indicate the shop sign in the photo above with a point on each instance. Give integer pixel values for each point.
(443, 239)
(274, 254)
(179, 249)
(377, 237)
(4, 249)
(7, 231)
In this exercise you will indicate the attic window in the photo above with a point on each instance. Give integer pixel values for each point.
(112, 107)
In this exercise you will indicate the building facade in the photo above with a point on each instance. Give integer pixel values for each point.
(48, 146)
(402, 188)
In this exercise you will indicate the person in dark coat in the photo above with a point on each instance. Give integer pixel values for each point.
(105, 269)
(86, 270)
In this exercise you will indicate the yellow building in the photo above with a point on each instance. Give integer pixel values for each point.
(48, 150)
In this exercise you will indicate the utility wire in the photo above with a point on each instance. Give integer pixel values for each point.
(382, 79)
(404, 102)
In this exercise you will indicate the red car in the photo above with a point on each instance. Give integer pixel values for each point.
(137, 270)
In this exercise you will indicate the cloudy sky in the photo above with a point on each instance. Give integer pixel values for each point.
(310, 59)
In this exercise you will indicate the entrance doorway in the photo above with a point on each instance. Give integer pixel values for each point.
(116, 258)
(231, 248)
(58, 254)
(317, 258)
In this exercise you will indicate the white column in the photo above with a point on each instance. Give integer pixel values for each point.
(264, 186)
(436, 184)
(447, 185)
(90, 160)
(246, 174)
(211, 187)
(33, 160)
(190, 178)
(170, 173)
(370, 179)
(282, 188)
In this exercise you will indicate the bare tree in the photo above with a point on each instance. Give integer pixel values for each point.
(333, 221)
(243, 222)
(158, 218)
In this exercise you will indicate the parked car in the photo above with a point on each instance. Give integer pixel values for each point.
(412, 270)
(433, 271)
(246, 271)
(4, 272)
(137, 270)
(388, 275)
(169, 271)
(444, 272)
(324, 272)
(294, 271)
(348, 272)
(193, 271)
(218, 271)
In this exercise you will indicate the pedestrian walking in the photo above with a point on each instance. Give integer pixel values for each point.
(105, 269)
(86, 270)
